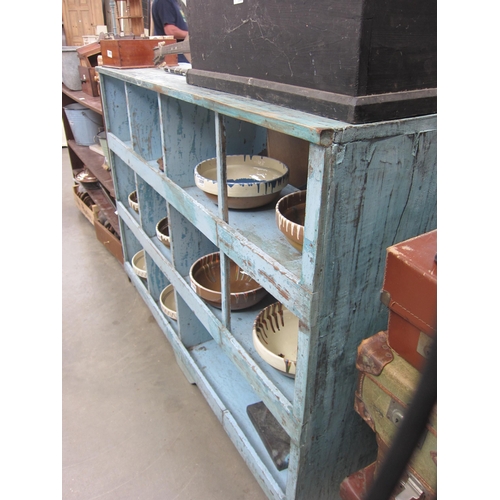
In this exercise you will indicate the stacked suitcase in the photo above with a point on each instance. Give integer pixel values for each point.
(390, 364)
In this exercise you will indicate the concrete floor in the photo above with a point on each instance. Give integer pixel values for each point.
(132, 425)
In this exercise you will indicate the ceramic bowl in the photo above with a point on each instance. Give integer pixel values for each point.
(162, 231)
(290, 215)
(132, 201)
(275, 334)
(139, 264)
(167, 302)
(252, 181)
(86, 177)
(205, 281)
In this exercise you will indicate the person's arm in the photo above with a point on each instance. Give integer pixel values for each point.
(173, 30)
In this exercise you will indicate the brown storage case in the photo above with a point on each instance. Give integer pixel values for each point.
(134, 53)
(386, 386)
(408, 341)
(410, 292)
(88, 79)
(357, 485)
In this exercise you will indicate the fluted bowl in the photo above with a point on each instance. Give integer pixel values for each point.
(162, 231)
(252, 181)
(139, 264)
(132, 201)
(167, 302)
(275, 335)
(206, 282)
(290, 216)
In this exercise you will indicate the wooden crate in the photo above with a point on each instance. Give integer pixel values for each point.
(109, 240)
(90, 212)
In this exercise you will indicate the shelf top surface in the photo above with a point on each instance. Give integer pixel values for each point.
(312, 128)
(91, 102)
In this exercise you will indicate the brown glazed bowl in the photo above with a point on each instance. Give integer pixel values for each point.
(206, 282)
(290, 216)
(162, 231)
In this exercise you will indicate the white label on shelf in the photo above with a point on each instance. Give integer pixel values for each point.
(110, 53)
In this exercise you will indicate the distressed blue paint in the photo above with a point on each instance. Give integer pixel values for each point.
(373, 185)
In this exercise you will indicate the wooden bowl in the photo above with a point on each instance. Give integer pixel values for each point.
(139, 264)
(167, 302)
(206, 282)
(132, 201)
(290, 216)
(162, 231)
(275, 335)
(252, 181)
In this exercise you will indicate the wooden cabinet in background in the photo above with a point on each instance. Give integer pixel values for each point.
(81, 17)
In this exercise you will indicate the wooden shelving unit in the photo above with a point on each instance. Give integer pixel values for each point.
(83, 157)
(373, 185)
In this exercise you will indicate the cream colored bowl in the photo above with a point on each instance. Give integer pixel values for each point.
(139, 264)
(162, 231)
(205, 281)
(275, 335)
(290, 215)
(167, 302)
(132, 201)
(252, 181)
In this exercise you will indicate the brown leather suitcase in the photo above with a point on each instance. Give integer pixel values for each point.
(410, 293)
(386, 386)
(131, 53)
(355, 486)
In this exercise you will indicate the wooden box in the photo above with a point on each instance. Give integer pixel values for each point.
(134, 53)
(354, 60)
(88, 54)
(88, 79)
(109, 240)
(91, 212)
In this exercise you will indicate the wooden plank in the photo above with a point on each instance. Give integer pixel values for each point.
(296, 123)
(93, 103)
(374, 193)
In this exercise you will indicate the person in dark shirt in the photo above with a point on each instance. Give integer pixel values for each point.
(168, 19)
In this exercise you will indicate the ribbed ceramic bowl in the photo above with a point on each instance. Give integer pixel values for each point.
(167, 302)
(290, 215)
(139, 264)
(205, 281)
(252, 181)
(162, 231)
(132, 201)
(275, 334)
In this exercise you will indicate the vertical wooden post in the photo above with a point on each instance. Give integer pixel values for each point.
(220, 139)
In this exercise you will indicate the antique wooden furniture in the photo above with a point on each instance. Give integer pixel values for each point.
(373, 185)
(103, 197)
(353, 60)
